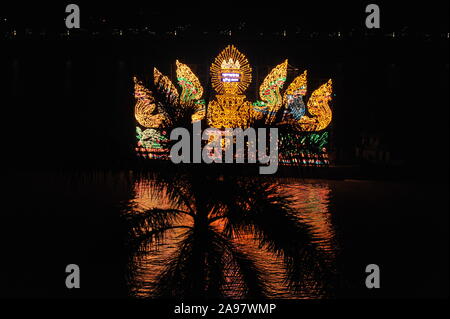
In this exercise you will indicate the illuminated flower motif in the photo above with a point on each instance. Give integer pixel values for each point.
(150, 138)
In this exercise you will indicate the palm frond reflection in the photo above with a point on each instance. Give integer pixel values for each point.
(228, 237)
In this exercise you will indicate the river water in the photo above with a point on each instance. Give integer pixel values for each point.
(52, 219)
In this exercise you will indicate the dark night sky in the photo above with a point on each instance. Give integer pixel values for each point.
(313, 15)
(70, 100)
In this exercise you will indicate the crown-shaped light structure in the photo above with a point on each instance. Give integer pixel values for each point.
(230, 64)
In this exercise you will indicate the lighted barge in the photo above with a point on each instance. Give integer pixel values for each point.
(306, 142)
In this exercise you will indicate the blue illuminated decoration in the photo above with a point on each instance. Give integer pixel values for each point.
(230, 77)
(296, 107)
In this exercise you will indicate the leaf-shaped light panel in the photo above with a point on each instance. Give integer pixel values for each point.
(144, 95)
(164, 82)
(269, 90)
(298, 86)
(293, 97)
(145, 106)
(191, 87)
(318, 107)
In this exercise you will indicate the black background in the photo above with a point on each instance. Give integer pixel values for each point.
(69, 101)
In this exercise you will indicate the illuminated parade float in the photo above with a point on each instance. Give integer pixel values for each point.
(303, 134)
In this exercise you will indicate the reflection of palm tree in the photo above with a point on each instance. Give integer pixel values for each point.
(219, 210)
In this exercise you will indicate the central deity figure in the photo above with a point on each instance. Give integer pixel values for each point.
(231, 75)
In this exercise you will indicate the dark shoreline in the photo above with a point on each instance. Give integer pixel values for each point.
(332, 172)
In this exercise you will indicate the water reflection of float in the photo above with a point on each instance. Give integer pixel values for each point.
(311, 202)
